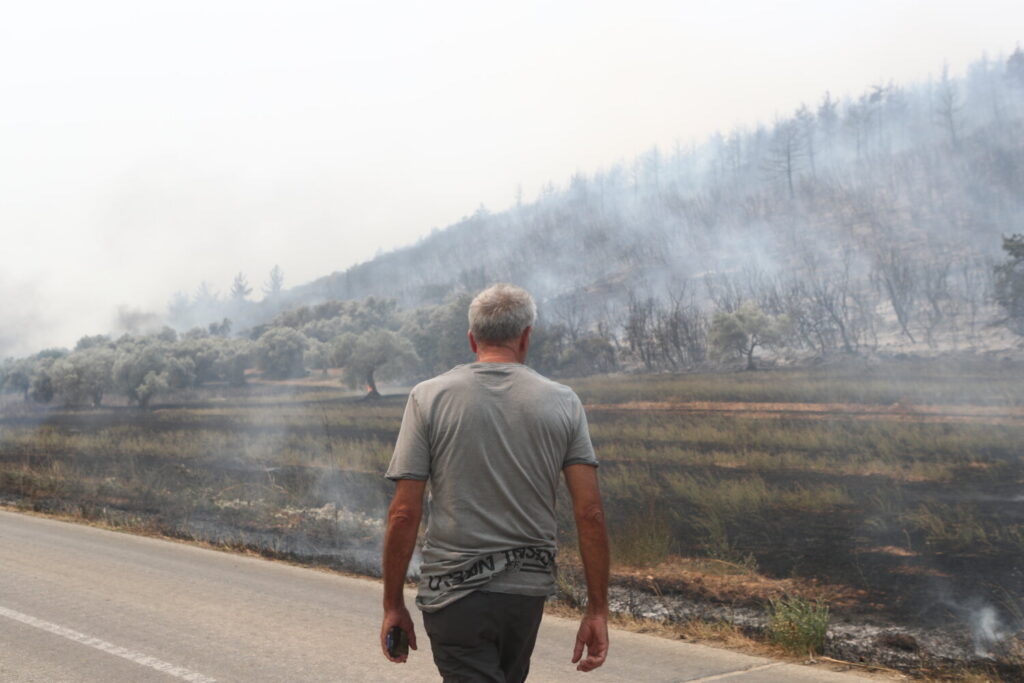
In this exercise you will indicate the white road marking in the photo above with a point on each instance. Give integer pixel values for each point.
(109, 648)
(734, 674)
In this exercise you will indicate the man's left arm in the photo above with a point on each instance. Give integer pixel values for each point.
(593, 539)
(404, 516)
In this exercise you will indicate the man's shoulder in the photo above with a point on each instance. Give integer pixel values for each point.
(551, 384)
(545, 394)
(427, 387)
(464, 375)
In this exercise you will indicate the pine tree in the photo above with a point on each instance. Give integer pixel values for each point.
(240, 289)
(273, 287)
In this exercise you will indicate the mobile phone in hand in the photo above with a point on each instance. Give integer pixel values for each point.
(397, 642)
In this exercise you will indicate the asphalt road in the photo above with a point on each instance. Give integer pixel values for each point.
(85, 604)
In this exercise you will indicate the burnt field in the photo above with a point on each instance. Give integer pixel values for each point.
(893, 491)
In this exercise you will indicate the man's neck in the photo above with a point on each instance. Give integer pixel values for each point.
(496, 354)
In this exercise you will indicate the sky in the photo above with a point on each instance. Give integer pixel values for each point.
(146, 147)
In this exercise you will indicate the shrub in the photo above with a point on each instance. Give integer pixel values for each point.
(798, 625)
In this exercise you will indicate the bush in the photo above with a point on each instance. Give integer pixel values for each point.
(798, 625)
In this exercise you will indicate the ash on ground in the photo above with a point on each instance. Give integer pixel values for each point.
(909, 649)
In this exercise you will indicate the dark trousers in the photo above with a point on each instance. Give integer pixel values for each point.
(485, 637)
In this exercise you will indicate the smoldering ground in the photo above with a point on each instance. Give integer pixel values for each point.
(255, 469)
(878, 513)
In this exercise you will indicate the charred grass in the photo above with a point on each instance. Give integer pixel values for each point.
(954, 380)
(894, 519)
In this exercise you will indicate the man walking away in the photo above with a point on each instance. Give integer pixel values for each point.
(492, 438)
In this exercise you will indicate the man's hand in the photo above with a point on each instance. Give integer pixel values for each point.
(397, 617)
(593, 634)
(593, 536)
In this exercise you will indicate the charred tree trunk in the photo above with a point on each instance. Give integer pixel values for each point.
(749, 353)
(371, 386)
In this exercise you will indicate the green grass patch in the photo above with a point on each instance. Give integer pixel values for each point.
(798, 625)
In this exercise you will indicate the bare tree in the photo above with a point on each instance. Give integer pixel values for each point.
(807, 125)
(829, 289)
(828, 120)
(896, 274)
(976, 282)
(570, 310)
(857, 122)
(935, 288)
(723, 292)
(639, 330)
(948, 107)
(785, 152)
(805, 326)
(680, 330)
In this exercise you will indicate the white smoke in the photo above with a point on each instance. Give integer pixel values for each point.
(987, 630)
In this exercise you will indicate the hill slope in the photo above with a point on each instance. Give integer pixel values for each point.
(899, 198)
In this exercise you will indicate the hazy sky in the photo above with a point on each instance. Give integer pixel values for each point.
(147, 146)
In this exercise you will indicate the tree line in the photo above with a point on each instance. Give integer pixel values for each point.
(375, 339)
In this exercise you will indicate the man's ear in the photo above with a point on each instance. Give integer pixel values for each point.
(472, 342)
(524, 340)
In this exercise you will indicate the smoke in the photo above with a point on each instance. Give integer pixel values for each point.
(25, 323)
(988, 628)
(133, 320)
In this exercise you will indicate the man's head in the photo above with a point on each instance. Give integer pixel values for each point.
(501, 317)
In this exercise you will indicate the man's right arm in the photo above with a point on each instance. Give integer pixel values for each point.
(593, 538)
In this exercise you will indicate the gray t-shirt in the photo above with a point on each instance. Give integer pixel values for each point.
(492, 438)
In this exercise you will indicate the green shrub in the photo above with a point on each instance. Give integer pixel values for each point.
(798, 625)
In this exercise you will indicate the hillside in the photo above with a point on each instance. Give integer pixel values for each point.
(894, 201)
(871, 223)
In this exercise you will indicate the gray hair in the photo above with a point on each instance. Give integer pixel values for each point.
(501, 313)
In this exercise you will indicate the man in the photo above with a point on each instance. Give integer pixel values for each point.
(492, 438)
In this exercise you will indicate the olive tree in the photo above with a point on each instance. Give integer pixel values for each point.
(318, 356)
(376, 350)
(32, 376)
(438, 334)
(146, 367)
(279, 352)
(203, 351)
(740, 333)
(17, 375)
(234, 357)
(84, 376)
